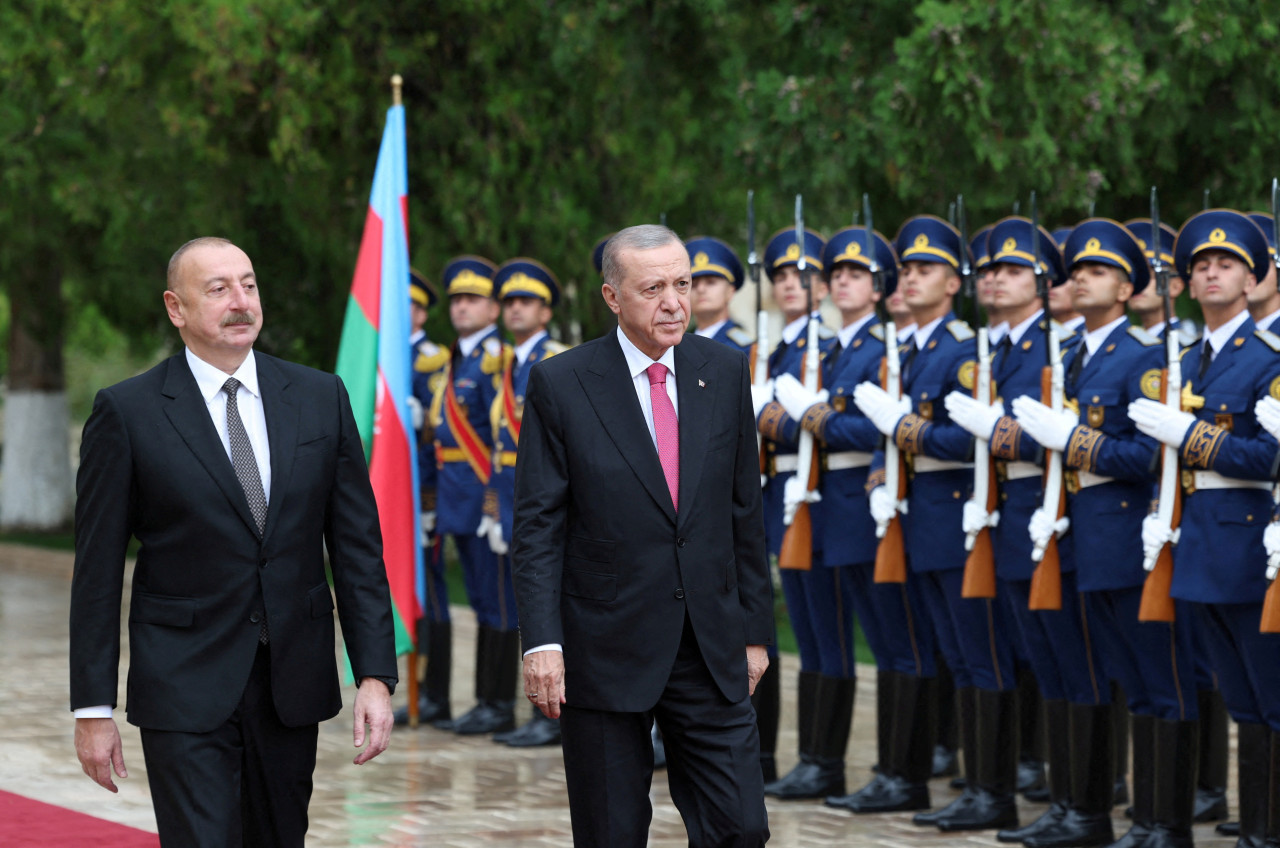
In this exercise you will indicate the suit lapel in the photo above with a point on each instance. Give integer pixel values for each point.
(697, 394)
(282, 431)
(186, 410)
(611, 392)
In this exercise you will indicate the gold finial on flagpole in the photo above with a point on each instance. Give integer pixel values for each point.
(396, 82)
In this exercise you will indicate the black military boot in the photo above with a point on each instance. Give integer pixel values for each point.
(885, 682)
(767, 701)
(992, 803)
(435, 639)
(907, 759)
(1253, 768)
(484, 656)
(1120, 739)
(822, 774)
(1144, 765)
(1088, 818)
(497, 670)
(945, 759)
(1177, 752)
(1031, 721)
(1211, 785)
(966, 720)
(1055, 714)
(806, 715)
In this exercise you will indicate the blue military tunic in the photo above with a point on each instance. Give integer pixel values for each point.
(429, 371)
(732, 334)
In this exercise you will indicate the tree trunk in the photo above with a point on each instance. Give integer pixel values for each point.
(35, 478)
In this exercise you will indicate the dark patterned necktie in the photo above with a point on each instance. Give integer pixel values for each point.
(1206, 359)
(246, 468)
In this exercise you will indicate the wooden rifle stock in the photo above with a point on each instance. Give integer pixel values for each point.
(1046, 580)
(891, 553)
(1157, 602)
(980, 566)
(1271, 610)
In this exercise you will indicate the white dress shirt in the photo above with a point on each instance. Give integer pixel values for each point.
(1217, 339)
(1016, 333)
(1094, 338)
(209, 380)
(1268, 321)
(466, 344)
(708, 332)
(848, 331)
(526, 347)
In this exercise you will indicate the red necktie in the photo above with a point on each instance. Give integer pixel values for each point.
(666, 429)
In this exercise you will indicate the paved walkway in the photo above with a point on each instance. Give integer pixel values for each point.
(430, 788)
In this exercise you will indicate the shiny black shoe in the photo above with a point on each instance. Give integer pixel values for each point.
(1211, 805)
(1031, 781)
(884, 795)
(1048, 819)
(1227, 828)
(931, 818)
(945, 762)
(539, 730)
(1075, 830)
(486, 717)
(813, 778)
(985, 811)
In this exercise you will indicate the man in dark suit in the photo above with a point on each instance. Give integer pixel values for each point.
(640, 568)
(233, 496)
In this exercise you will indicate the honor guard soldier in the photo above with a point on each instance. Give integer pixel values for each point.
(1264, 300)
(1109, 478)
(970, 632)
(435, 631)
(527, 291)
(1146, 305)
(717, 276)
(1229, 463)
(464, 450)
(842, 582)
(824, 702)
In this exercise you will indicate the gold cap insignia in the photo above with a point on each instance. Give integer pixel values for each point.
(1010, 244)
(1092, 246)
(922, 240)
(793, 251)
(1218, 236)
(701, 261)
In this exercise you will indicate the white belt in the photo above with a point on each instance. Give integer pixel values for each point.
(1085, 479)
(1214, 480)
(1019, 470)
(847, 459)
(923, 464)
(786, 462)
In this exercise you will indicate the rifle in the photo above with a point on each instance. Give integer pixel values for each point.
(1157, 604)
(797, 541)
(891, 552)
(1271, 603)
(1046, 581)
(980, 566)
(760, 349)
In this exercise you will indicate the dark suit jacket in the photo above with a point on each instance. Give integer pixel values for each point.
(603, 564)
(152, 467)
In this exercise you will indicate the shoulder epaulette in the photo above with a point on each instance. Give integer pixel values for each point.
(431, 357)
(1063, 332)
(961, 331)
(877, 332)
(1187, 349)
(1271, 339)
(552, 347)
(496, 355)
(825, 332)
(740, 337)
(1145, 338)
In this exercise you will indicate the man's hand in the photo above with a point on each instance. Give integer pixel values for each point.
(544, 681)
(373, 707)
(1271, 542)
(415, 411)
(876, 404)
(428, 527)
(794, 397)
(1267, 411)
(1160, 422)
(1051, 429)
(757, 665)
(760, 396)
(978, 418)
(98, 747)
(1154, 535)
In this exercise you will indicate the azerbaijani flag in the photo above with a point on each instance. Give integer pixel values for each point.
(373, 362)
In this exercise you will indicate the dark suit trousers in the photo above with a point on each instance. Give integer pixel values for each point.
(713, 764)
(247, 783)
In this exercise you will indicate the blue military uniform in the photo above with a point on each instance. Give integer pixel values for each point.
(821, 690)
(1228, 464)
(971, 633)
(711, 257)
(460, 414)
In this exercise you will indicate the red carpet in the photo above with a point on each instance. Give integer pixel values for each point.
(25, 823)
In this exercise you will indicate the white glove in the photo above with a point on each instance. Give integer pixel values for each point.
(883, 411)
(794, 493)
(1154, 534)
(975, 416)
(428, 526)
(1271, 541)
(486, 522)
(415, 411)
(974, 519)
(1051, 429)
(1268, 412)
(760, 396)
(794, 397)
(1043, 528)
(1160, 422)
(496, 543)
(882, 509)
